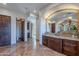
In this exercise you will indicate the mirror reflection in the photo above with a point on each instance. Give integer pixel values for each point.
(65, 22)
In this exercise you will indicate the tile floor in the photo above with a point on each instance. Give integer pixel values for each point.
(27, 49)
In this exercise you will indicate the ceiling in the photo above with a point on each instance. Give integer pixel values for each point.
(64, 15)
(25, 7)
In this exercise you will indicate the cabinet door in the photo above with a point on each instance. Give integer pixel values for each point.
(45, 40)
(69, 47)
(55, 44)
(78, 48)
(5, 30)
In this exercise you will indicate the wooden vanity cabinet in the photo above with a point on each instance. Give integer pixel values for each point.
(69, 47)
(64, 46)
(55, 44)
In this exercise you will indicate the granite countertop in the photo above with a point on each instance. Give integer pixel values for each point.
(60, 36)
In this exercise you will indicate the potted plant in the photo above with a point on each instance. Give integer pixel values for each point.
(74, 30)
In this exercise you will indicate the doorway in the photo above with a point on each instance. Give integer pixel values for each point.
(19, 30)
(32, 20)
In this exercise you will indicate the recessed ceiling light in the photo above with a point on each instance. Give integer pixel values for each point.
(4, 3)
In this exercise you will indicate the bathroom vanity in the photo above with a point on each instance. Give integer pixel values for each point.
(62, 44)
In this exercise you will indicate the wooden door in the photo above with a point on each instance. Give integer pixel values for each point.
(5, 30)
(53, 27)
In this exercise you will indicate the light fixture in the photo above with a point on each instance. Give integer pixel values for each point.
(34, 11)
(69, 17)
(69, 20)
(53, 21)
(4, 3)
(49, 21)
